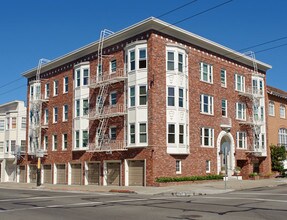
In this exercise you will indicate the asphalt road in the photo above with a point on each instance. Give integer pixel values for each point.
(260, 203)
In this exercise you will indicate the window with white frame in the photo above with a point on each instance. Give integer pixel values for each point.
(241, 140)
(240, 111)
(239, 83)
(132, 96)
(56, 87)
(65, 112)
(55, 114)
(142, 95)
(113, 98)
(206, 72)
(113, 133)
(78, 78)
(2, 125)
(180, 97)
(77, 139)
(77, 103)
(207, 166)
(45, 147)
(85, 138)
(224, 107)
(23, 146)
(55, 142)
(13, 145)
(7, 123)
(132, 61)
(282, 111)
(180, 63)
(47, 90)
(178, 166)
(263, 140)
(64, 141)
(223, 77)
(181, 134)
(170, 96)
(85, 106)
(142, 58)
(66, 84)
(282, 137)
(143, 132)
(271, 109)
(170, 60)
(171, 134)
(85, 77)
(46, 116)
(206, 104)
(23, 122)
(132, 134)
(113, 66)
(207, 137)
(1, 147)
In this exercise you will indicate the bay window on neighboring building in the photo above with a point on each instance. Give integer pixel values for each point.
(85, 106)
(181, 134)
(170, 96)
(85, 139)
(142, 95)
(77, 139)
(82, 75)
(180, 97)
(170, 61)
(132, 134)
(143, 133)
(171, 134)
(132, 96)
(175, 60)
(142, 58)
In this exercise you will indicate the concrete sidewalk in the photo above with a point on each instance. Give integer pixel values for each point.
(197, 188)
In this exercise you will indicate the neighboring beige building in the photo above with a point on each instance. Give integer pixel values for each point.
(277, 120)
(12, 137)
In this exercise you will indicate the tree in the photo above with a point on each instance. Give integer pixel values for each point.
(278, 155)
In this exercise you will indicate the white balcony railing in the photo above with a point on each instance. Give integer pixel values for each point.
(108, 111)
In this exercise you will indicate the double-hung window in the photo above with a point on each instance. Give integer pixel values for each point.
(14, 122)
(65, 112)
(178, 166)
(181, 134)
(46, 116)
(132, 60)
(240, 111)
(23, 122)
(85, 106)
(78, 102)
(223, 77)
(47, 90)
(282, 111)
(171, 134)
(66, 84)
(170, 61)
(206, 72)
(224, 107)
(206, 104)
(143, 132)
(180, 97)
(55, 114)
(132, 134)
(85, 77)
(282, 139)
(132, 96)
(113, 133)
(142, 58)
(241, 140)
(56, 87)
(85, 138)
(78, 78)
(142, 95)
(170, 96)
(45, 147)
(55, 142)
(113, 66)
(207, 166)
(77, 139)
(271, 109)
(65, 141)
(239, 83)
(207, 137)
(113, 98)
(180, 62)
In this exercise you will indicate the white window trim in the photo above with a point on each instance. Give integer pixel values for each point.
(110, 132)
(81, 68)
(64, 84)
(46, 116)
(273, 108)
(243, 113)
(139, 95)
(179, 171)
(225, 79)
(135, 95)
(208, 165)
(54, 115)
(225, 116)
(139, 133)
(56, 82)
(242, 85)
(63, 142)
(46, 142)
(244, 140)
(65, 119)
(210, 138)
(282, 109)
(53, 144)
(209, 73)
(112, 93)
(46, 90)
(112, 72)
(210, 105)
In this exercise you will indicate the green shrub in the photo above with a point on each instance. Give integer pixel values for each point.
(188, 178)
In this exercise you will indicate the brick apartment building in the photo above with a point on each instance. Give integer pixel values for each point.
(277, 121)
(12, 138)
(149, 101)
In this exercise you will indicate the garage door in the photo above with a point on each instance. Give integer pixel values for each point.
(94, 174)
(113, 174)
(136, 173)
(22, 174)
(61, 174)
(76, 174)
(47, 172)
(33, 174)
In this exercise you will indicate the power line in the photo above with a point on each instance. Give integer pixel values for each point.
(11, 82)
(179, 7)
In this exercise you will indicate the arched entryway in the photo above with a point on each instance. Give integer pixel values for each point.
(225, 152)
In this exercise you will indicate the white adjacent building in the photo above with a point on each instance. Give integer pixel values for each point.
(12, 138)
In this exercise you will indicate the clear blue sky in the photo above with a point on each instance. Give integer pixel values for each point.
(34, 29)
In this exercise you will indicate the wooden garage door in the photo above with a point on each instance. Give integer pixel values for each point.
(61, 174)
(136, 173)
(76, 174)
(47, 173)
(113, 174)
(33, 174)
(22, 174)
(94, 173)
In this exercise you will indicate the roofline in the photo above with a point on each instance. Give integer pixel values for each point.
(12, 102)
(145, 25)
